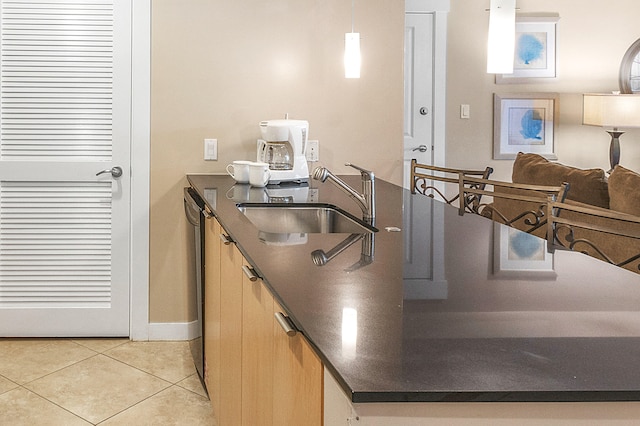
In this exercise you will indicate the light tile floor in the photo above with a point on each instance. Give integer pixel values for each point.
(99, 382)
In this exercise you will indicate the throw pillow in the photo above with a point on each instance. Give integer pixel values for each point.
(587, 186)
(623, 191)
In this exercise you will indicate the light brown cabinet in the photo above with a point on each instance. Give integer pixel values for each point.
(230, 412)
(255, 373)
(257, 352)
(297, 379)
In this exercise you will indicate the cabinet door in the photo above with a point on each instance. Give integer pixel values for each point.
(230, 413)
(212, 311)
(297, 380)
(257, 352)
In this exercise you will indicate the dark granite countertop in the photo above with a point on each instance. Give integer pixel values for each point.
(452, 308)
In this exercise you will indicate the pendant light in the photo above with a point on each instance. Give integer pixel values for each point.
(352, 51)
(502, 36)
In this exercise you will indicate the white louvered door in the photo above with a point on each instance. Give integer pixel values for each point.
(65, 73)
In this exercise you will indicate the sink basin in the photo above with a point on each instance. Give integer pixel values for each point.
(303, 218)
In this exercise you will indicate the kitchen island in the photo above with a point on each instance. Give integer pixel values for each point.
(428, 314)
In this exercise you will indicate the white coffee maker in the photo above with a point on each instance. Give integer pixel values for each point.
(283, 146)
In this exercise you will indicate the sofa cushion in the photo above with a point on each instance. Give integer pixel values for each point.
(623, 191)
(587, 186)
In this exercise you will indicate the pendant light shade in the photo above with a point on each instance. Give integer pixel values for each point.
(352, 51)
(352, 55)
(502, 35)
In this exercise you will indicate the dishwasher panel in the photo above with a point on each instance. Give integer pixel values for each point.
(194, 208)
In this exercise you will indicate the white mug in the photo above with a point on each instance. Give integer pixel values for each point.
(259, 174)
(258, 195)
(238, 193)
(239, 170)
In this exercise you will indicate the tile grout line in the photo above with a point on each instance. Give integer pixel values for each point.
(56, 404)
(23, 386)
(78, 340)
(143, 371)
(169, 385)
(11, 381)
(60, 369)
(180, 386)
(137, 403)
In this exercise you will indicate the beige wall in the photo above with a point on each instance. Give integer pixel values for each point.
(219, 67)
(592, 37)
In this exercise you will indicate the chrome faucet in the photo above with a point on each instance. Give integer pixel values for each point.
(321, 258)
(366, 201)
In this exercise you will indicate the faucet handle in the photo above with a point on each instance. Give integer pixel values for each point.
(366, 174)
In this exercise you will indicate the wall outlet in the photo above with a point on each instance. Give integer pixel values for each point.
(313, 195)
(210, 149)
(313, 150)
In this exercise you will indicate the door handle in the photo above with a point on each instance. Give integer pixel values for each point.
(116, 172)
(424, 111)
(421, 148)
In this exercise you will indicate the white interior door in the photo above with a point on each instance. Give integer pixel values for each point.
(424, 130)
(424, 274)
(418, 90)
(65, 78)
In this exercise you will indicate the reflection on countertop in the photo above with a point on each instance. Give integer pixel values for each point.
(429, 314)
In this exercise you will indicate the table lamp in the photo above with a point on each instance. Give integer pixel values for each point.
(612, 111)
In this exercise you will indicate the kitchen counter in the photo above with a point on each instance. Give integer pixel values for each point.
(444, 309)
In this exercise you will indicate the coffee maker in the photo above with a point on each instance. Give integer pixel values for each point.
(283, 146)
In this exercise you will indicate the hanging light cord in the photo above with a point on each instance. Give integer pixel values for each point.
(352, 6)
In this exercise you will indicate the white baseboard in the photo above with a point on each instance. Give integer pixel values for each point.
(173, 330)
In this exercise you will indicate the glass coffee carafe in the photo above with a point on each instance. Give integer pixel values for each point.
(279, 155)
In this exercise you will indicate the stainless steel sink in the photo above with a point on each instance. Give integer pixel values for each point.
(303, 218)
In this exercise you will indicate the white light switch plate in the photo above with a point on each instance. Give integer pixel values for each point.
(465, 111)
(211, 149)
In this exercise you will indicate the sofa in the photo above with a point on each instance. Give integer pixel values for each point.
(588, 188)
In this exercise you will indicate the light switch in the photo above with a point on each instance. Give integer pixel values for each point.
(464, 110)
(211, 149)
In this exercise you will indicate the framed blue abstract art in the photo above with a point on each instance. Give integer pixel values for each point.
(517, 253)
(524, 123)
(535, 50)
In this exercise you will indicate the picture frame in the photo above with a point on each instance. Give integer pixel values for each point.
(535, 53)
(517, 253)
(524, 123)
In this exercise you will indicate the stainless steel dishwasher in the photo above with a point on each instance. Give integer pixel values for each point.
(196, 212)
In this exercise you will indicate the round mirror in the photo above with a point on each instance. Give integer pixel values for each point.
(629, 77)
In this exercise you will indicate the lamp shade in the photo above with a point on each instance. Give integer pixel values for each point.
(502, 36)
(610, 110)
(352, 55)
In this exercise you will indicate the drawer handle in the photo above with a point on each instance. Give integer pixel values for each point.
(207, 212)
(250, 273)
(226, 240)
(286, 324)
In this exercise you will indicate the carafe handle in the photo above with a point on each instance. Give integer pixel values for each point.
(260, 152)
